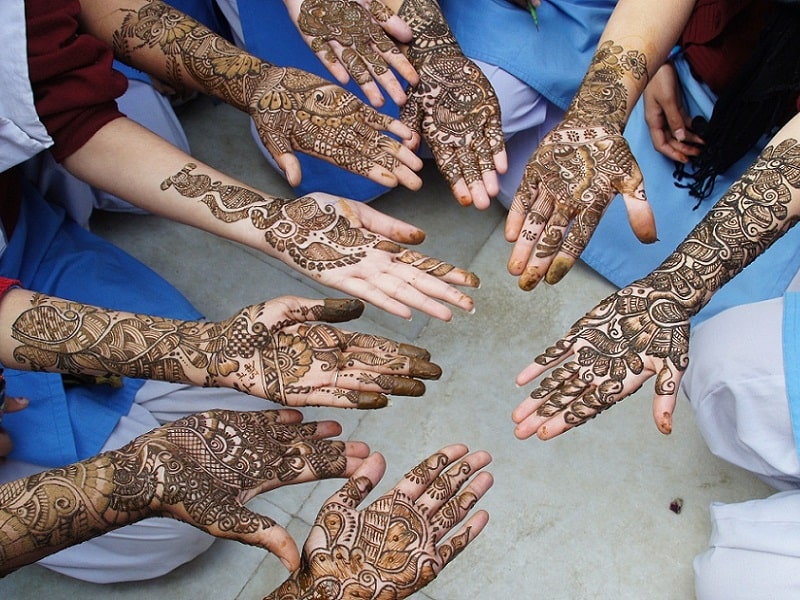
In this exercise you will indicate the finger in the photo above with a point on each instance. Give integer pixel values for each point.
(446, 487)
(361, 482)
(456, 543)
(373, 381)
(417, 480)
(402, 291)
(383, 224)
(13, 404)
(259, 530)
(398, 365)
(367, 342)
(663, 407)
(461, 192)
(441, 272)
(457, 508)
(328, 310)
(290, 166)
(391, 23)
(334, 397)
(431, 286)
(640, 215)
(544, 392)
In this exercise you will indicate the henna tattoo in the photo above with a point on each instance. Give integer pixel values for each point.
(650, 317)
(315, 236)
(390, 549)
(291, 108)
(200, 469)
(349, 24)
(454, 105)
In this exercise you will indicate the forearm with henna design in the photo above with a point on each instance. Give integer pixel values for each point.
(200, 469)
(242, 352)
(453, 100)
(314, 236)
(651, 316)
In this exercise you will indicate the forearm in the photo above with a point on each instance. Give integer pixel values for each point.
(129, 161)
(47, 512)
(762, 205)
(42, 333)
(173, 47)
(635, 42)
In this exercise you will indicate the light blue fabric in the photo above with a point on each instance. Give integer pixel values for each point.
(791, 359)
(615, 253)
(51, 254)
(552, 60)
(270, 34)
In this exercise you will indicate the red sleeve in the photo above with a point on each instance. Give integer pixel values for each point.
(719, 37)
(74, 84)
(6, 284)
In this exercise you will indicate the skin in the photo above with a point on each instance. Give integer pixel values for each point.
(201, 470)
(643, 329)
(357, 39)
(397, 544)
(453, 106)
(292, 109)
(584, 162)
(274, 350)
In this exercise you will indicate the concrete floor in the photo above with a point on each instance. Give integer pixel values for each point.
(586, 515)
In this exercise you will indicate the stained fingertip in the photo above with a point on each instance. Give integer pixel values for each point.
(664, 423)
(370, 400)
(558, 270)
(413, 351)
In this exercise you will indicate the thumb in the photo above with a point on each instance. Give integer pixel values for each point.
(640, 214)
(259, 530)
(339, 310)
(290, 166)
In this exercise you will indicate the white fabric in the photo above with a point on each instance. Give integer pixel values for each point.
(736, 387)
(152, 547)
(22, 135)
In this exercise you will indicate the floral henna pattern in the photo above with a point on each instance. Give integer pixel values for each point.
(390, 549)
(650, 318)
(349, 24)
(454, 106)
(205, 466)
(293, 109)
(315, 236)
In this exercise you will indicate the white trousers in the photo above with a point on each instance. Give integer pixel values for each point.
(152, 547)
(736, 387)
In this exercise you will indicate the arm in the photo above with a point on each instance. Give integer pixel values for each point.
(397, 545)
(584, 162)
(453, 107)
(343, 244)
(292, 109)
(202, 470)
(358, 39)
(643, 329)
(270, 350)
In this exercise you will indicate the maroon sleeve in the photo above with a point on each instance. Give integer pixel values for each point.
(719, 37)
(74, 84)
(6, 284)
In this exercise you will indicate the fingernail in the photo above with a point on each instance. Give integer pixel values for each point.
(680, 134)
(370, 400)
(425, 369)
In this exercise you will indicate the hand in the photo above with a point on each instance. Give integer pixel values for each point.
(354, 248)
(395, 546)
(204, 468)
(666, 117)
(270, 350)
(636, 333)
(352, 38)
(11, 405)
(568, 182)
(294, 109)
(455, 109)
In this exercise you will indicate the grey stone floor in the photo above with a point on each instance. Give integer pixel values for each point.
(583, 516)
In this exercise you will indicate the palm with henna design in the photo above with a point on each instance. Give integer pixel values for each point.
(296, 110)
(640, 331)
(358, 39)
(398, 544)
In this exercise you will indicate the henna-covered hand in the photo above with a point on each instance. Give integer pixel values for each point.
(357, 38)
(292, 109)
(269, 350)
(453, 107)
(396, 545)
(575, 172)
(640, 331)
(343, 244)
(296, 110)
(643, 329)
(201, 469)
